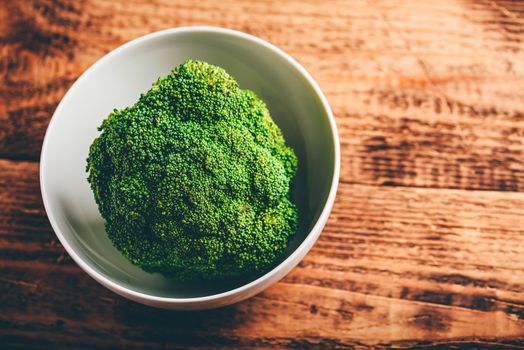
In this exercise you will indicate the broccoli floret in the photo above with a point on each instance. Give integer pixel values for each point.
(194, 180)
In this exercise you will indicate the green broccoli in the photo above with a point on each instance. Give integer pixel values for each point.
(195, 179)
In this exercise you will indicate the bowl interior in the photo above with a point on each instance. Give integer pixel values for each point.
(117, 81)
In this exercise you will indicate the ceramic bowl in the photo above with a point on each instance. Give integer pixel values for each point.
(296, 104)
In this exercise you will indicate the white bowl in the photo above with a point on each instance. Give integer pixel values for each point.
(296, 104)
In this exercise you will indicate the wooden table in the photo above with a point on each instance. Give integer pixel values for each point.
(425, 244)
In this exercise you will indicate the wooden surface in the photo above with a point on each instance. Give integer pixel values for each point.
(425, 245)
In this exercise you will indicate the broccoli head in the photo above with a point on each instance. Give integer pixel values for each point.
(194, 180)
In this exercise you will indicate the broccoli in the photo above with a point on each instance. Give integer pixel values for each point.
(194, 180)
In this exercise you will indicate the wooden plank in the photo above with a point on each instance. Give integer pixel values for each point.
(425, 95)
(394, 267)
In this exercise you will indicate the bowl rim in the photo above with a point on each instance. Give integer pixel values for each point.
(292, 259)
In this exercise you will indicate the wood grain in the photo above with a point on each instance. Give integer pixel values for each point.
(424, 248)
